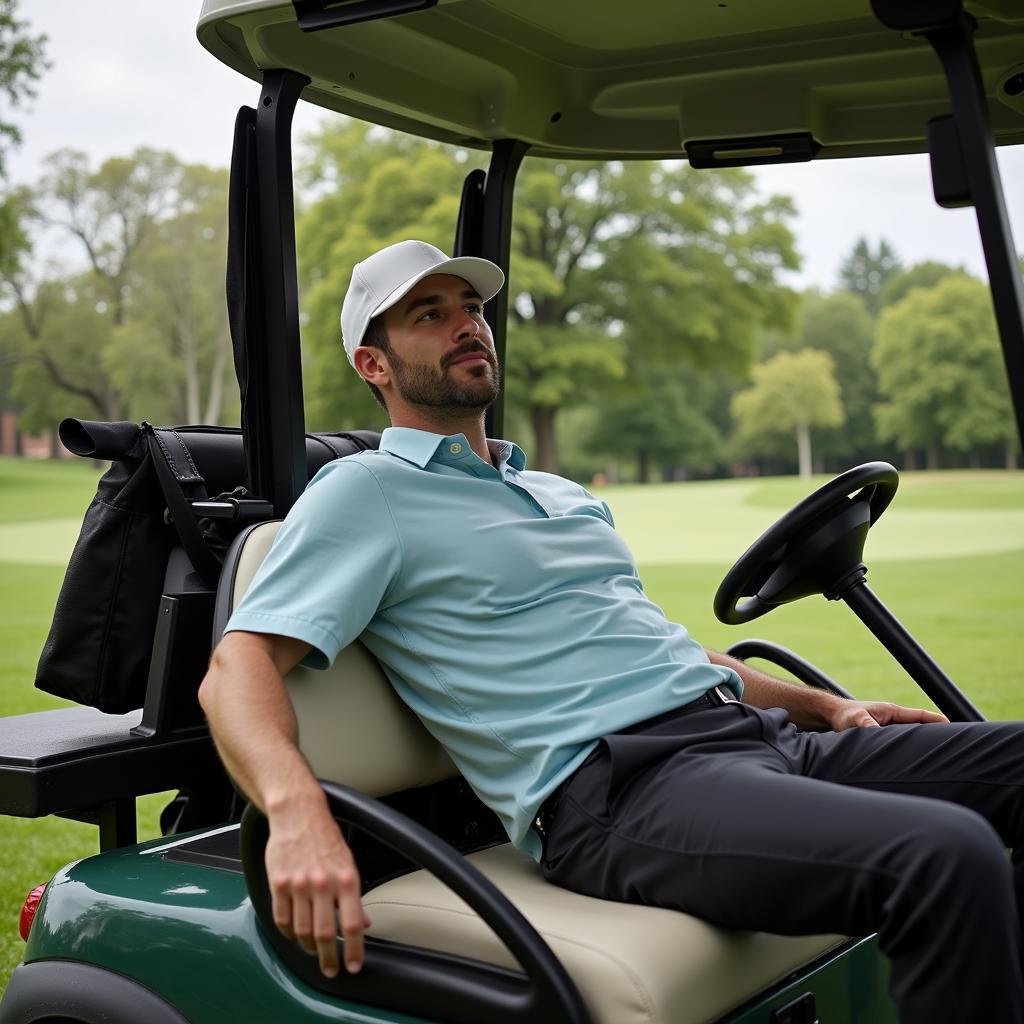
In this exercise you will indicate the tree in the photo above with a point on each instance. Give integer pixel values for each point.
(171, 358)
(621, 266)
(110, 212)
(664, 419)
(22, 61)
(940, 371)
(792, 393)
(840, 325)
(920, 275)
(141, 330)
(865, 273)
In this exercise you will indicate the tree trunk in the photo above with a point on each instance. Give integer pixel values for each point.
(643, 466)
(611, 470)
(974, 459)
(803, 447)
(1011, 453)
(215, 396)
(910, 460)
(190, 360)
(542, 419)
(933, 454)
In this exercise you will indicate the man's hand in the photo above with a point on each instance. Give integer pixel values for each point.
(854, 714)
(313, 879)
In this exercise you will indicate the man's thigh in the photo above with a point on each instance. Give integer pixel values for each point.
(979, 765)
(740, 833)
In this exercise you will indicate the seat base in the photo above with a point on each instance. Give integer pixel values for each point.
(632, 964)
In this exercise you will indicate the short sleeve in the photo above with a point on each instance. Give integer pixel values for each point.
(333, 563)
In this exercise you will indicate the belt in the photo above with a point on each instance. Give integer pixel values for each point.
(716, 697)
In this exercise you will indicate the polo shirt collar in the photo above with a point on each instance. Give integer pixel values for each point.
(420, 446)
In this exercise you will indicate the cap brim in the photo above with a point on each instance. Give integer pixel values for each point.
(484, 276)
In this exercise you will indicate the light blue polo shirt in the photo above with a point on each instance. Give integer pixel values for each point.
(502, 604)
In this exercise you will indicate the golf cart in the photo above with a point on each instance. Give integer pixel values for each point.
(179, 929)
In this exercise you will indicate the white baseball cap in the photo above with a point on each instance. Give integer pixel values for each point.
(381, 280)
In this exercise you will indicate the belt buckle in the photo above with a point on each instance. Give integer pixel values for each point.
(724, 695)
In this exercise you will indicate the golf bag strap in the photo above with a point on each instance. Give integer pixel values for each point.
(176, 472)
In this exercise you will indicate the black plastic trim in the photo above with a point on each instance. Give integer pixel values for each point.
(219, 850)
(419, 981)
(64, 990)
(784, 658)
(315, 15)
(226, 590)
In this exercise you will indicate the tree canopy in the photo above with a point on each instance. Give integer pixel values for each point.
(866, 271)
(22, 62)
(138, 327)
(940, 370)
(791, 393)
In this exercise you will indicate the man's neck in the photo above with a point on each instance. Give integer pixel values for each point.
(472, 426)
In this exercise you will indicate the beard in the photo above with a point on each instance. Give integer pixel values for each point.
(436, 389)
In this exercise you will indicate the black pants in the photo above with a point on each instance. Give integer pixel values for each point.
(731, 814)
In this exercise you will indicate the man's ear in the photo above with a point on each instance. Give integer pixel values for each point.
(371, 364)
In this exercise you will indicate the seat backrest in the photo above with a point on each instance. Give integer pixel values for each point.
(353, 728)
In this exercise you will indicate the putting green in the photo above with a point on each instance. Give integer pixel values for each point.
(714, 522)
(44, 542)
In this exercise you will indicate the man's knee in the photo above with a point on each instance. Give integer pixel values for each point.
(953, 846)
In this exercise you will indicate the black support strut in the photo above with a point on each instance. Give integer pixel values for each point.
(279, 410)
(950, 32)
(485, 229)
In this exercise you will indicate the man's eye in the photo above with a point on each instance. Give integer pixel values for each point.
(475, 307)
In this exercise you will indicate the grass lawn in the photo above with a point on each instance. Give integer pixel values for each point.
(947, 558)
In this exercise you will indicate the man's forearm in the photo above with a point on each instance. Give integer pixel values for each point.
(254, 728)
(808, 708)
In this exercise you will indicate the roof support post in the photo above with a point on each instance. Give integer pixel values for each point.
(280, 455)
(485, 229)
(950, 32)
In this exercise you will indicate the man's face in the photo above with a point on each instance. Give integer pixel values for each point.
(441, 349)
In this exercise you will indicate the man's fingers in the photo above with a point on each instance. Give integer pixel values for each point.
(325, 928)
(353, 919)
(920, 715)
(302, 920)
(281, 905)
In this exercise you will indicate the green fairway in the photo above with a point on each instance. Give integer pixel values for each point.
(947, 557)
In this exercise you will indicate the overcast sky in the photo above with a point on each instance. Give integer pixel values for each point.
(128, 73)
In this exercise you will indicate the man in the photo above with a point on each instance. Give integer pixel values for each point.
(507, 613)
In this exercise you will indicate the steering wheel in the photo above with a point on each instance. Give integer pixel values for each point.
(812, 549)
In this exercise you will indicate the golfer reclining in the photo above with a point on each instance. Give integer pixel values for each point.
(636, 766)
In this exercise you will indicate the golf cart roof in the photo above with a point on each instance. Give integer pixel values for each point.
(573, 79)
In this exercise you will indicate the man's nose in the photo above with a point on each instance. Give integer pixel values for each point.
(465, 327)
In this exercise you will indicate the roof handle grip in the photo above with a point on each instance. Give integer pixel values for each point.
(316, 15)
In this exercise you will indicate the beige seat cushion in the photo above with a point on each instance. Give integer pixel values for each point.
(633, 965)
(353, 728)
